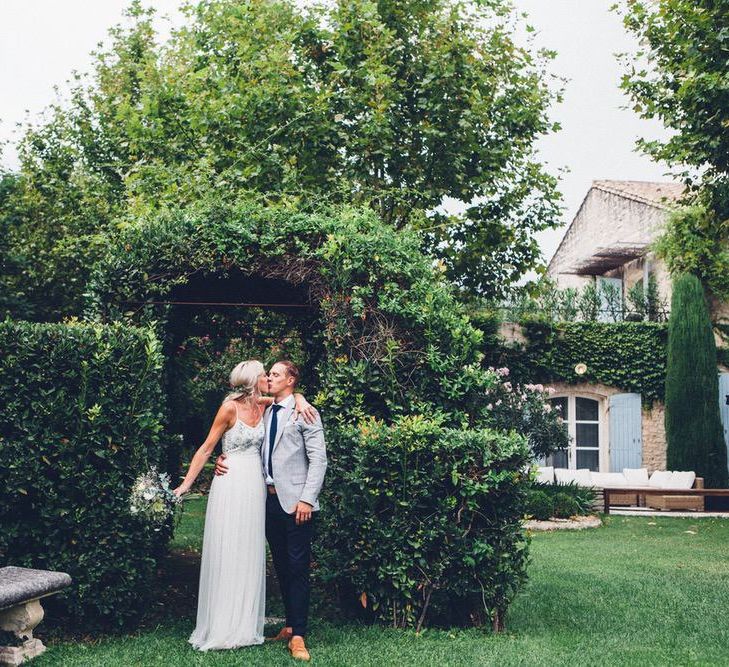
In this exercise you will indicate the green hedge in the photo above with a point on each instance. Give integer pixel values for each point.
(423, 524)
(80, 417)
(628, 355)
(387, 339)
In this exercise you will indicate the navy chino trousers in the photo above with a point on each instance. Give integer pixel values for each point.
(291, 552)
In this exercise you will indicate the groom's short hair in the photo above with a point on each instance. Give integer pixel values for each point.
(291, 368)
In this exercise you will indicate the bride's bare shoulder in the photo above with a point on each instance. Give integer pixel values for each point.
(228, 410)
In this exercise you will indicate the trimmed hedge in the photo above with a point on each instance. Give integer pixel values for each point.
(388, 339)
(423, 524)
(81, 415)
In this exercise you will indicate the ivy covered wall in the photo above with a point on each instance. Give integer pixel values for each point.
(630, 356)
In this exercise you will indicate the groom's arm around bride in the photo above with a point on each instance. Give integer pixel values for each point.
(294, 462)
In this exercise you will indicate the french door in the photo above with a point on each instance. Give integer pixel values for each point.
(582, 416)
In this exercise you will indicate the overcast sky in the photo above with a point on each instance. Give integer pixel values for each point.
(42, 41)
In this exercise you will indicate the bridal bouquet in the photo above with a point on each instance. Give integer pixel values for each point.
(152, 498)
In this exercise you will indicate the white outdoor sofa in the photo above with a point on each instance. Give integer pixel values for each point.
(640, 488)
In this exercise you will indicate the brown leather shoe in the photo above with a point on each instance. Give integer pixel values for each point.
(297, 648)
(284, 633)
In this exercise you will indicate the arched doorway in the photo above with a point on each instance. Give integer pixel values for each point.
(384, 332)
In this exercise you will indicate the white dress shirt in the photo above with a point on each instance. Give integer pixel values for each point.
(288, 402)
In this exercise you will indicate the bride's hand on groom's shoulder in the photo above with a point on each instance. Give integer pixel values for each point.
(305, 409)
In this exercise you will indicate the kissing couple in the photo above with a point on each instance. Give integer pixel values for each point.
(267, 482)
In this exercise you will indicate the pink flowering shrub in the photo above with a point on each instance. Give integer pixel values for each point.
(526, 410)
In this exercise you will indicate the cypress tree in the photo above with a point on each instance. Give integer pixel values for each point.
(694, 433)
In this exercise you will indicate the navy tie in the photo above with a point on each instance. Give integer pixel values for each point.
(272, 437)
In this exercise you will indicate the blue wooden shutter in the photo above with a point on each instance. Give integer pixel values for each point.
(724, 408)
(626, 443)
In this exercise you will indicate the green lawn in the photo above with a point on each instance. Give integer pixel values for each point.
(639, 591)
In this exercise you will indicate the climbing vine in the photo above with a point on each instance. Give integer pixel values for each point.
(627, 355)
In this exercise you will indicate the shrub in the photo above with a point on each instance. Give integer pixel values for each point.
(387, 339)
(540, 505)
(694, 436)
(525, 409)
(565, 505)
(562, 500)
(423, 524)
(80, 417)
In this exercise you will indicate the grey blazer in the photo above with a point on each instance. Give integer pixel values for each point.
(299, 459)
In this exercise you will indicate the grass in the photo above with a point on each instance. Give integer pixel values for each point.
(638, 591)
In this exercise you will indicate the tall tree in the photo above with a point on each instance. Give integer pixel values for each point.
(695, 439)
(405, 105)
(679, 76)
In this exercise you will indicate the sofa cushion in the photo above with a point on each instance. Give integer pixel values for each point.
(581, 477)
(545, 474)
(609, 479)
(680, 480)
(636, 476)
(660, 478)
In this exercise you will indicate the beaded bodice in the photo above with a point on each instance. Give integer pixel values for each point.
(243, 437)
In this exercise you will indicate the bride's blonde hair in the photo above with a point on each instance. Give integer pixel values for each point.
(244, 380)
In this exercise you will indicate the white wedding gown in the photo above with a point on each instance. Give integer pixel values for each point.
(230, 608)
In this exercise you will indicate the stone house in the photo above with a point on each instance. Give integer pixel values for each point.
(610, 240)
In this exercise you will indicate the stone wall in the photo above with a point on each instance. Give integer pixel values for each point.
(654, 438)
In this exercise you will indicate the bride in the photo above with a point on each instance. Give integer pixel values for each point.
(232, 593)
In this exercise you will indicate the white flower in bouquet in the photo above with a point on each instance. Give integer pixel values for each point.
(152, 498)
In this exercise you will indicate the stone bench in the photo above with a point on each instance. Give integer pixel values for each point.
(20, 610)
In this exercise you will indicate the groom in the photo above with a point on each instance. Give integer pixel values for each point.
(294, 462)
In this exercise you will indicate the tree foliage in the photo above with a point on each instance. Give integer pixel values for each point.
(697, 242)
(403, 106)
(694, 435)
(685, 85)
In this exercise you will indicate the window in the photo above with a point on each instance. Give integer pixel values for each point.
(583, 418)
(610, 291)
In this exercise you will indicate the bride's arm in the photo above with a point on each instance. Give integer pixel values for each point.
(220, 425)
(305, 409)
